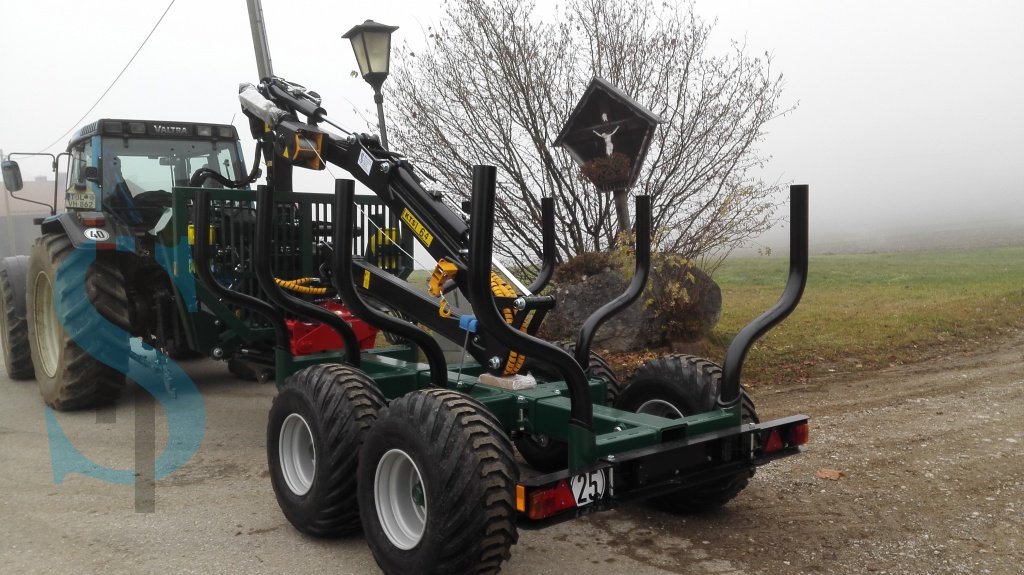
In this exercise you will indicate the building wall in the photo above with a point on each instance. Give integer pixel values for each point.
(20, 229)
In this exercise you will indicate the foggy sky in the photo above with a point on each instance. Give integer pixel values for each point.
(909, 112)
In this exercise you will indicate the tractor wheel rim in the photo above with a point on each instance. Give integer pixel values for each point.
(297, 454)
(401, 499)
(47, 326)
(661, 408)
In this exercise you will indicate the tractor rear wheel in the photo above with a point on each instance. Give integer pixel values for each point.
(316, 426)
(69, 377)
(542, 452)
(437, 487)
(13, 325)
(678, 386)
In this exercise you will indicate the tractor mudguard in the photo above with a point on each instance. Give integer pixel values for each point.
(102, 235)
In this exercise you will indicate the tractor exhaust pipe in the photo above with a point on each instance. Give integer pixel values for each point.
(729, 394)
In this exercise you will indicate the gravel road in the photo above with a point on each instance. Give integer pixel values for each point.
(931, 456)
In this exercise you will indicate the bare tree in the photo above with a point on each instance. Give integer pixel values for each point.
(498, 80)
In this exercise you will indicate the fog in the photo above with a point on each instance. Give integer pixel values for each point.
(908, 119)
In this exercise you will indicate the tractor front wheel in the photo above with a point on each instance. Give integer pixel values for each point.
(678, 386)
(68, 376)
(437, 487)
(316, 426)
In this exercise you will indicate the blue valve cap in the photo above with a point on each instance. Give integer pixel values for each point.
(468, 323)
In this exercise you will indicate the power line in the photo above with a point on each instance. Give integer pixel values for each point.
(119, 74)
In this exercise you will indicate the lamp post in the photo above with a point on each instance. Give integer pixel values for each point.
(371, 41)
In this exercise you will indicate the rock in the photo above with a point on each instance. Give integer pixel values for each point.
(680, 305)
(627, 331)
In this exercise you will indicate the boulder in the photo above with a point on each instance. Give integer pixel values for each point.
(680, 304)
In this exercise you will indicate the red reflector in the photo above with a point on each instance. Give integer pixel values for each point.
(774, 442)
(799, 434)
(93, 220)
(550, 500)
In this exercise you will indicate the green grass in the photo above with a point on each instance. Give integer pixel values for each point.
(861, 312)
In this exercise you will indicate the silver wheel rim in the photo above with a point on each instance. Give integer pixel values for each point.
(661, 408)
(401, 499)
(47, 326)
(297, 454)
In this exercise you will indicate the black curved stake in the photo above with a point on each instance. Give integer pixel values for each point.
(741, 344)
(344, 222)
(633, 290)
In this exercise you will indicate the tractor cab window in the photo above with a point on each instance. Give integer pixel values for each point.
(76, 173)
(138, 174)
(145, 165)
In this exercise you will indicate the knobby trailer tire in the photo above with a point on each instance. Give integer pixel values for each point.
(437, 486)
(684, 385)
(315, 429)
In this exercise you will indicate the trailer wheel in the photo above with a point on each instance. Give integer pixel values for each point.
(69, 377)
(542, 452)
(436, 483)
(13, 325)
(677, 386)
(316, 426)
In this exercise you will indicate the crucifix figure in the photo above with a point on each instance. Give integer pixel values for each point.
(608, 146)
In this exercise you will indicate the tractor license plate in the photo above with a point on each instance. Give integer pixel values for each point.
(81, 201)
(588, 487)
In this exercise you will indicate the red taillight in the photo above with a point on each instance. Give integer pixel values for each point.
(799, 434)
(774, 442)
(786, 437)
(550, 500)
(92, 219)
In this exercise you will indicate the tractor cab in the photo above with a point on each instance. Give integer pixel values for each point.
(127, 168)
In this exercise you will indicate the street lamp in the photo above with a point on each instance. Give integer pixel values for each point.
(371, 41)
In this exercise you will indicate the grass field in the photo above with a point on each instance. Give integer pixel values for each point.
(861, 312)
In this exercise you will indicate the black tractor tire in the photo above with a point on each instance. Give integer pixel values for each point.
(437, 487)
(546, 454)
(69, 377)
(317, 424)
(679, 386)
(13, 324)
